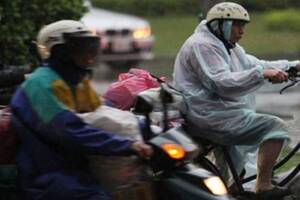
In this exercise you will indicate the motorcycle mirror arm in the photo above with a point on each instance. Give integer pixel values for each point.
(166, 97)
(144, 107)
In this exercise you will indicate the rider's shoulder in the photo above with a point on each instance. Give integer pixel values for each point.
(41, 77)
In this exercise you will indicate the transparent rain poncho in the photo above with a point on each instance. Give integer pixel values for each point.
(219, 88)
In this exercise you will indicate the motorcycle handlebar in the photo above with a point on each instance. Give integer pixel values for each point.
(293, 72)
(11, 77)
(293, 75)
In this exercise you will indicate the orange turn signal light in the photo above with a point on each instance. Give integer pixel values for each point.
(174, 151)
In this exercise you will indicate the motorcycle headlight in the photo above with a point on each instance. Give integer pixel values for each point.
(174, 151)
(142, 33)
(215, 185)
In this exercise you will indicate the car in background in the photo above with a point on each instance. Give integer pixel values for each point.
(125, 39)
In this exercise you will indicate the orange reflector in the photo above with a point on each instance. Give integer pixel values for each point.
(175, 151)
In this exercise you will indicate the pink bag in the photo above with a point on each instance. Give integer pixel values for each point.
(122, 94)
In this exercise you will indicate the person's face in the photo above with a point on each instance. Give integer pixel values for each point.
(237, 31)
(85, 59)
(85, 52)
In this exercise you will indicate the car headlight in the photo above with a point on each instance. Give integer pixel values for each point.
(215, 185)
(93, 30)
(142, 33)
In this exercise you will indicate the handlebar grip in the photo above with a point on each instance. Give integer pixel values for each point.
(292, 71)
(11, 77)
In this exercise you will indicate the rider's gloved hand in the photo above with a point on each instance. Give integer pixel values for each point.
(276, 75)
(142, 149)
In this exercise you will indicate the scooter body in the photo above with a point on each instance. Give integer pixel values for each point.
(187, 184)
(176, 177)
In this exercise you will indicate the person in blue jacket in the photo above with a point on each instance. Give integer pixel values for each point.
(54, 142)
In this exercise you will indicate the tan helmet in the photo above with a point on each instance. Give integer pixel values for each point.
(54, 33)
(228, 10)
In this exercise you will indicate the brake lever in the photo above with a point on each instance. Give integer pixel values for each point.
(293, 74)
(294, 82)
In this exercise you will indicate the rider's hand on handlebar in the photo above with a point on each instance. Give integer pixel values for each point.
(142, 149)
(276, 75)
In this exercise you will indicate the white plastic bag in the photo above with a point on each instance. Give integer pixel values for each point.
(175, 109)
(114, 120)
(153, 95)
(115, 171)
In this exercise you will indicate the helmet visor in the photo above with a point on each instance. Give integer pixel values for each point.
(84, 45)
(84, 50)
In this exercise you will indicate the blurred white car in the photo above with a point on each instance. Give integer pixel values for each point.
(125, 39)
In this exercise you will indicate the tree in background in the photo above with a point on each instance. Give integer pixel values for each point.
(150, 7)
(21, 20)
(259, 5)
(207, 4)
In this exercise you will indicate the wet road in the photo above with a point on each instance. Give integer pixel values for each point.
(286, 106)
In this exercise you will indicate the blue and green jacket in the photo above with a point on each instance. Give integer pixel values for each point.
(53, 139)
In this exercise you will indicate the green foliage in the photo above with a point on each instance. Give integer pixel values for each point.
(294, 161)
(21, 20)
(286, 20)
(167, 7)
(150, 7)
(171, 31)
(268, 4)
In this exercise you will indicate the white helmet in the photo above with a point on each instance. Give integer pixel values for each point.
(54, 33)
(228, 10)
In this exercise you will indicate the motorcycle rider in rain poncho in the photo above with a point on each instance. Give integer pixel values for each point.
(218, 78)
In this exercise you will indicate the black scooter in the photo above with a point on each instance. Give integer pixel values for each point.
(175, 176)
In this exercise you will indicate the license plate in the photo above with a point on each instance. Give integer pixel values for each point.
(121, 44)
